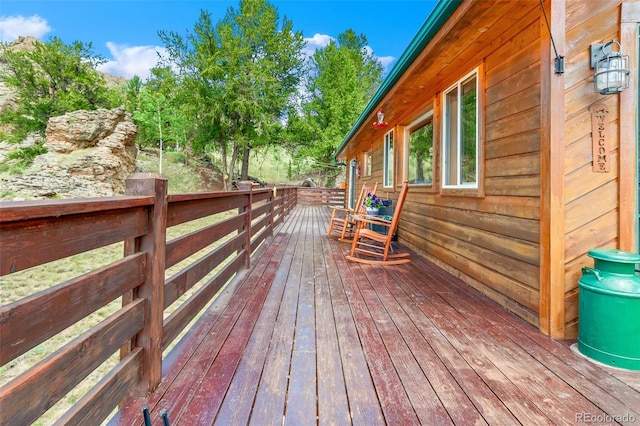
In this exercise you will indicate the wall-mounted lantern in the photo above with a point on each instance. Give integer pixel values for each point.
(380, 122)
(611, 68)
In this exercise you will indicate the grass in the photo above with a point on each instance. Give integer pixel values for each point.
(272, 165)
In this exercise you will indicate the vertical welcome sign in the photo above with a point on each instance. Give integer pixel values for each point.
(600, 136)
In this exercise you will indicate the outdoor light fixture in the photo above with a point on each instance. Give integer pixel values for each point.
(611, 68)
(380, 122)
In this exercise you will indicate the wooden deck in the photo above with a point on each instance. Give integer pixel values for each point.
(306, 337)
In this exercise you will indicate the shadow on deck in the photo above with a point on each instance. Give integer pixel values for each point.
(306, 337)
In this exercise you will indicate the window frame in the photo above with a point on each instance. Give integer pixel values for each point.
(464, 189)
(366, 163)
(388, 176)
(353, 167)
(429, 115)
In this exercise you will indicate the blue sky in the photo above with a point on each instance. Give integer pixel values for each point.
(125, 31)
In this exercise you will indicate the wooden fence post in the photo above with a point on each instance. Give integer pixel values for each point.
(293, 199)
(247, 186)
(272, 200)
(284, 202)
(154, 244)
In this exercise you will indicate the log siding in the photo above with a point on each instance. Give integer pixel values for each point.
(524, 237)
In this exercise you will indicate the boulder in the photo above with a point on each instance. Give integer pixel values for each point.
(90, 153)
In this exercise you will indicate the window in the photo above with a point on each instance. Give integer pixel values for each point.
(367, 164)
(388, 160)
(460, 134)
(420, 147)
(352, 183)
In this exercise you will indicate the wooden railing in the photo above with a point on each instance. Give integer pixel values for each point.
(37, 232)
(321, 196)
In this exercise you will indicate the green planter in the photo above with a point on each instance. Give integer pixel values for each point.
(609, 322)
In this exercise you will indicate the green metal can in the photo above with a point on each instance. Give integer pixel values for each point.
(609, 316)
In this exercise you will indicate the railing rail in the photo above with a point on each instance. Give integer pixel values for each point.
(35, 233)
(321, 196)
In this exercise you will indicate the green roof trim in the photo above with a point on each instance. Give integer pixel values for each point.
(440, 14)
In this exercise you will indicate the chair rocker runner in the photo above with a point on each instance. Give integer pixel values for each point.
(341, 224)
(373, 247)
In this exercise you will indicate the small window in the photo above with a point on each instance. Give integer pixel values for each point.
(366, 171)
(388, 160)
(460, 134)
(353, 166)
(420, 166)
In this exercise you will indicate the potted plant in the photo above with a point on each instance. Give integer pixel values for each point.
(372, 203)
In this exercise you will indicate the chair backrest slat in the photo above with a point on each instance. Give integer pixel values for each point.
(396, 214)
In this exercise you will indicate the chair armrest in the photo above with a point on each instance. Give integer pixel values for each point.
(343, 209)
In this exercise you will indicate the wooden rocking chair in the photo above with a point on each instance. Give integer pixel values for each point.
(373, 247)
(341, 224)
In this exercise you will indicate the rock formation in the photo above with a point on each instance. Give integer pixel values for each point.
(90, 153)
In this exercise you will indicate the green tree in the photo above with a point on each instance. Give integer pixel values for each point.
(343, 77)
(242, 74)
(159, 99)
(51, 80)
(132, 93)
(421, 155)
(157, 109)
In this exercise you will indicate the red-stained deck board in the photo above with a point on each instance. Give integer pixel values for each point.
(301, 401)
(333, 405)
(453, 328)
(237, 405)
(204, 406)
(445, 387)
(307, 337)
(465, 395)
(269, 403)
(420, 392)
(552, 396)
(395, 404)
(364, 407)
(600, 386)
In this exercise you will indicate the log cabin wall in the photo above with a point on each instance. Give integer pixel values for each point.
(490, 240)
(592, 201)
(522, 238)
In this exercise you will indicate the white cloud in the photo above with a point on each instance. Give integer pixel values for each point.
(131, 60)
(318, 41)
(11, 27)
(386, 61)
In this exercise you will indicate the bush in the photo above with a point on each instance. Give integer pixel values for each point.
(19, 160)
(176, 157)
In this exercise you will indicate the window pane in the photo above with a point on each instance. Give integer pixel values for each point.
(451, 138)
(388, 159)
(352, 183)
(469, 126)
(421, 155)
(367, 164)
(460, 134)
